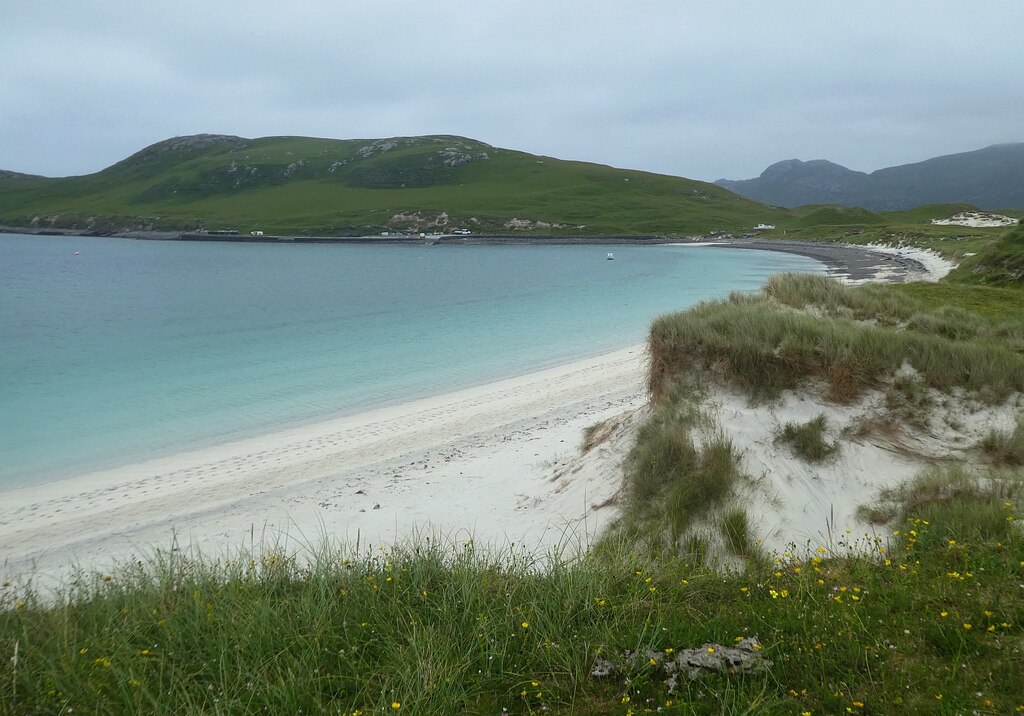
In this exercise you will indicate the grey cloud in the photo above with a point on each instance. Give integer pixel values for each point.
(698, 89)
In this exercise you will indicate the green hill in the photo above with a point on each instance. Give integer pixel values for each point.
(312, 186)
(831, 215)
(1000, 263)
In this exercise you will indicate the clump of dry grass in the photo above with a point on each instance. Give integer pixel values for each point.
(598, 433)
(1005, 448)
(807, 440)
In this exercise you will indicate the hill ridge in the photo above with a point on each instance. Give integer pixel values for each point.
(323, 187)
(989, 178)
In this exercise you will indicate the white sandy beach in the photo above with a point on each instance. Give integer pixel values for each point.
(497, 463)
(485, 463)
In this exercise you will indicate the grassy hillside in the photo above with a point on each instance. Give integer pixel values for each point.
(325, 186)
(1000, 263)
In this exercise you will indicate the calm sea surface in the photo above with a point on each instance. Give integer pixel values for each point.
(133, 349)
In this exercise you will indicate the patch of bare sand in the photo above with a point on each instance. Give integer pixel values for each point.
(791, 501)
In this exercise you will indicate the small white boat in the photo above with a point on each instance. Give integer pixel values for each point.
(610, 256)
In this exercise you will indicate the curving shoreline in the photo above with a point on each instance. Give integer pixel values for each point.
(857, 263)
(497, 463)
(851, 262)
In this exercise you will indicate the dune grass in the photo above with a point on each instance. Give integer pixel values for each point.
(766, 348)
(950, 310)
(1000, 263)
(971, 504)
(807, 440)
(679, 475)
(735, 528)
(598, 433)
(1005, 447)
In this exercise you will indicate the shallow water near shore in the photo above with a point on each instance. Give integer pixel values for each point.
(127, 349)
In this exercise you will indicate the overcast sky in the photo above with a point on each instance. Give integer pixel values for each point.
(698, 89)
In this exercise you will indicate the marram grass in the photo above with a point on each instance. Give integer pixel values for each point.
(765, 348)
(807, 440)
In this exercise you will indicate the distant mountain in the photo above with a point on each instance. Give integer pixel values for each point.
(303, 185)
(990, 178)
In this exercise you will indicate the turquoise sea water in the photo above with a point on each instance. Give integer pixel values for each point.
(133, 349)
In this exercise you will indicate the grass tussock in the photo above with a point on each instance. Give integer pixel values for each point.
(680, 473)
(598, 433)
(909, 401)
(735, 528)
(971, 505)
(807, 440)
(1005, 448)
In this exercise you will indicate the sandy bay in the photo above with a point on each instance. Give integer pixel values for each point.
(497, 463)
